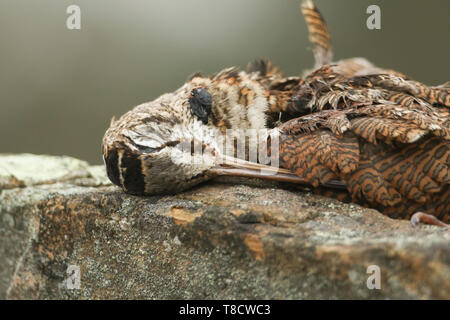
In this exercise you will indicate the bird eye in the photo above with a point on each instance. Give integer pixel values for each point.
(201, 102)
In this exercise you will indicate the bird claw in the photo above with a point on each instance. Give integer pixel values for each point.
(420, 217)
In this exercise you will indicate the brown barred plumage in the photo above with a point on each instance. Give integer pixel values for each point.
(373, 135)
(318, 33)
(397, 164)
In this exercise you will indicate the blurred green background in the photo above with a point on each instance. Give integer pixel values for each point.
(59, 88)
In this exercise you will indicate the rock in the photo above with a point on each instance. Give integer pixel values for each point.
(218, 241)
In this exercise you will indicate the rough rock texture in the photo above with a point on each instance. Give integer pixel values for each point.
(219, 240)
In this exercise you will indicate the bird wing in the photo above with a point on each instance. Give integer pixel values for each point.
(386, 138)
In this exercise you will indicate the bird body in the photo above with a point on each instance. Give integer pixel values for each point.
(375, 133)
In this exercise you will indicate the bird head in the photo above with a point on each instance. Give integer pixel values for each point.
(181, 139)
(163, 146)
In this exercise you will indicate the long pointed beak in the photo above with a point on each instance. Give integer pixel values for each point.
(230, 166)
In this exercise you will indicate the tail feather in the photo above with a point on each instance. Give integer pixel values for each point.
(318, 33)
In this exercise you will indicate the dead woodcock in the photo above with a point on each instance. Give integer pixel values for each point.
(348, 129)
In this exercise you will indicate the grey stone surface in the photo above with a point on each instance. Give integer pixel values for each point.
(219, 240)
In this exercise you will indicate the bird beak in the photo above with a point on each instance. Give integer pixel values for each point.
(230, 166)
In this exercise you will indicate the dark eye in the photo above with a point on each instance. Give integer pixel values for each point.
(200, 102)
